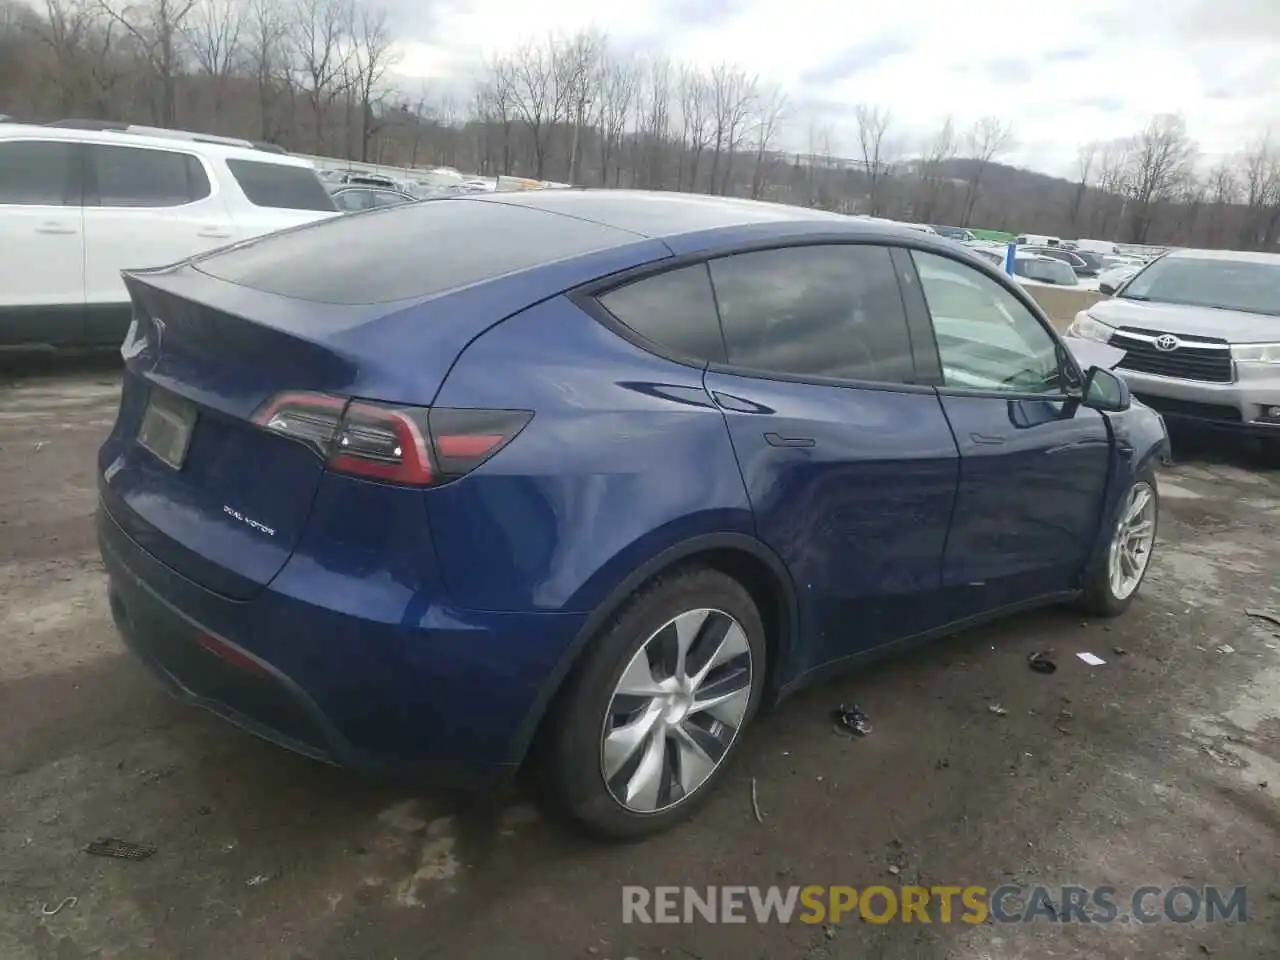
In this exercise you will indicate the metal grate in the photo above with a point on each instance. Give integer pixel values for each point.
(1193, 358)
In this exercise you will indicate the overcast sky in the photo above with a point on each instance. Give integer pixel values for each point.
(1063, 73)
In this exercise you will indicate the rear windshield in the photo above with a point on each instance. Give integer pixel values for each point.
(1046, 271)
(407, 252)
(1247, 286)
(280, 185)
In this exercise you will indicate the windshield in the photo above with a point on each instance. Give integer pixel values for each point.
(1246, 285)
(1046, 271)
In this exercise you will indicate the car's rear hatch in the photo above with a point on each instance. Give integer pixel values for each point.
(188, 473)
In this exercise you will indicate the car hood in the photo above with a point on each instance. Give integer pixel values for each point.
(1230, 325)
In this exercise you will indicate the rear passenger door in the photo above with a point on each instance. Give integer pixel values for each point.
(41, 243)
(144, 207)
(849, 463)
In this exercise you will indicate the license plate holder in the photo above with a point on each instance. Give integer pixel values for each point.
(166, 428)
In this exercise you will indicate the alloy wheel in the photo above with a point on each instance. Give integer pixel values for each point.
(1131, 544)
(676, 710)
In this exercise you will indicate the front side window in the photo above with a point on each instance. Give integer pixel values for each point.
(140, 177)
(38, 173)
(987, 339)
(674, 310)
(833, 310)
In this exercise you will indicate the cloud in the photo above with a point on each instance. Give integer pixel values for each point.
(1062, 74)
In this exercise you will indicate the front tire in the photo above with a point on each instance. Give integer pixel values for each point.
(649, 722)
(1112, 586)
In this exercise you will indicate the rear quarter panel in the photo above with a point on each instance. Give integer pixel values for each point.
(625, 456)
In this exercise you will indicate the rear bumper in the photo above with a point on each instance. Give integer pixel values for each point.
(439, 694)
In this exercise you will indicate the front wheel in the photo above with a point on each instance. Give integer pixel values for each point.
(1113, 585)
(651, 719)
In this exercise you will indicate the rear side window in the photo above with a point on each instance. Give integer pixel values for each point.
(408, 252)
(39, 173)
(819, 311)
(138, 177)
(280, 185)
(675, 310)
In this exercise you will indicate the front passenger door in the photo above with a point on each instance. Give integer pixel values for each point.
(1033, 462)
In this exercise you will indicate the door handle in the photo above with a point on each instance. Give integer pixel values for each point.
(57, 228)
(213, 233)
(777, 440)
(986, 440)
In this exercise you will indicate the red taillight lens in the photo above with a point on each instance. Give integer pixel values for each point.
(416, 446)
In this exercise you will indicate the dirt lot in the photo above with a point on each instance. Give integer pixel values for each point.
(1162, 770)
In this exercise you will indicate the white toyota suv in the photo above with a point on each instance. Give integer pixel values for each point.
(79, 202)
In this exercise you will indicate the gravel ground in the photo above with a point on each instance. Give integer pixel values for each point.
(1158, 767)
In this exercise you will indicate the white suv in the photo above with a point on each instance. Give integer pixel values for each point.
(78, 205)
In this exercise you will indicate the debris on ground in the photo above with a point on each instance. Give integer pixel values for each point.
(755, 802)
(1269, 615)
(1120, 651)
(66, 902)
(1224, 757)
(119, 849)
(257, 880)
(851, 720)
(1226, 648)
(1091, 659)
(1041, 661)
(998, 710)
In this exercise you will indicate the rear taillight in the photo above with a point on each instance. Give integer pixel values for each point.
(417, 446)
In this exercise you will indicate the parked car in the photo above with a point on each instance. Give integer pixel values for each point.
(955, 233)
(354, 199)
(1031, 266)
(1201, 331)
(79, 203)
(605, 473)
(1112, 278)
(1082, 262)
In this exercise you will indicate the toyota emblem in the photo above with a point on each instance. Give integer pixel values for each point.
(1167, 342)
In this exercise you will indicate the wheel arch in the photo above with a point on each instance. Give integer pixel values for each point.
(744, 558)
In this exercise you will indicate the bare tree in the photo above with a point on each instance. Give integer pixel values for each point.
(213, 33)
(321, 50)
(696, 120)
(987, 138)
(732, 94)
(1086, 156)
(263, 38)
(1260, 172)
(873, 125)
(771, 106)
(537, 96)
(578, 75)
(156, 29)
(939, 151)
(619, 83)
(371, 57)
(1160, 159)
(652, 99)
(66, 31)
(1113, 166)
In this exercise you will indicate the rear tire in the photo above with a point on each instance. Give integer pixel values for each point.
(1116, 580)
(641, 733)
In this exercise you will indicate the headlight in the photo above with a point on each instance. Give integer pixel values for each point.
(1086, 327)
(1256, 353)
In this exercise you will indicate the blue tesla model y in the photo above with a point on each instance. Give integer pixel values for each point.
(588, 477)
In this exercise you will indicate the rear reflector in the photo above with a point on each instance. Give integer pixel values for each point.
(416, 446)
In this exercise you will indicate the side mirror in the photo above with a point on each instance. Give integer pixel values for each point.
(1108, 289)
(1103, 390)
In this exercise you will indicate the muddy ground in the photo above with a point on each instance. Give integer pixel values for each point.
(1159, 767)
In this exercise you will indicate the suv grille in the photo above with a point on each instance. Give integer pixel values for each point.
(1195, 358)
